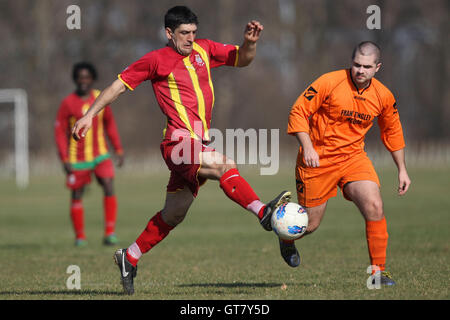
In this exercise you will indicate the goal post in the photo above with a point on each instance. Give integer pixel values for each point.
(21, 157)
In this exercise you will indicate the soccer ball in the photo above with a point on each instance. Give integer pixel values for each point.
(289, 221)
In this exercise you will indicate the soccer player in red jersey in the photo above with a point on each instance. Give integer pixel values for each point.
(181, 79)
(89, 156)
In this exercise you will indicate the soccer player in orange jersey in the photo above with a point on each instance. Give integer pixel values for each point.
(181, 78)
(89, 156)
(330, 120)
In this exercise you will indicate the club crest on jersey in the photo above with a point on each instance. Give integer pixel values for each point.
(310, 93)
(199, 60)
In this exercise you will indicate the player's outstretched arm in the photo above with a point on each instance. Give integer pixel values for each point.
(403, 179)
(247, 51)
(105, 98)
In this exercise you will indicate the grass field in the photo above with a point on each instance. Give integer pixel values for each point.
(220, 251)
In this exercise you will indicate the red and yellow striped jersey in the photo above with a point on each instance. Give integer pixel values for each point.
(88, 152)
(182, 84)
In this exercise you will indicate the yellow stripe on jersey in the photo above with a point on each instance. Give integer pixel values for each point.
(236, 60)
(199, 93)
(175, 95)
(205, 58)
(100, 134)
(123, 81)
(72, 143)
(165, 129)
(88, 140)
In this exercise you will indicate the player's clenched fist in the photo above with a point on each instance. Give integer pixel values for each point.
(253, 30)
(81, 127)
(310, 158)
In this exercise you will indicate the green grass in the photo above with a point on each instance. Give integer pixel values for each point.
(220, 251)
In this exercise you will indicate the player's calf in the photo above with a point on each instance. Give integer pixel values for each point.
(177, 206)
(312, 226)
(315, 216)
(175, 217)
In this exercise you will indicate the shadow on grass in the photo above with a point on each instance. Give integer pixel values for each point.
(61, 292)
(230, 285)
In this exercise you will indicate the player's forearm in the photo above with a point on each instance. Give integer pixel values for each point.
(399, 159)
(109, 95)
(305, 140)
(247, 53)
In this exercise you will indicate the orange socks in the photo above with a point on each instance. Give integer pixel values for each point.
(377, 239)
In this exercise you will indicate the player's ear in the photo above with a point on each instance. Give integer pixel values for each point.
(378, 66)
(169, 33)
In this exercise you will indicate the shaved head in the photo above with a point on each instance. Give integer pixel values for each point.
(365, 63)
(368, 48)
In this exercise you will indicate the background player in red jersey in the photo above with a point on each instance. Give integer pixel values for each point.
(181, 80)
(91, 155)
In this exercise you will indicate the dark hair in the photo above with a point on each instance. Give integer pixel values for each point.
(367, 48)
(77, 67)
(179, 15)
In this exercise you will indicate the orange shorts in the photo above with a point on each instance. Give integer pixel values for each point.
(316, 185)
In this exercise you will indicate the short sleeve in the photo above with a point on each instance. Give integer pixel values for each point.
(223, 54)
(143, 69)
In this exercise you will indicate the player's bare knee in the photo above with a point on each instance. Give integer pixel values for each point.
(107, 185)
(375, 210)
(108, 190)
(77, 194)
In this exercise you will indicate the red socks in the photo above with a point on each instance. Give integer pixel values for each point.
(377, 239)
(155, 231)
(238, 190)
(234, 186)
(77, 217)
(110, 211)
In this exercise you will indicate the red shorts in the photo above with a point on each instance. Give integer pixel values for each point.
(184, 166)
(79, 178)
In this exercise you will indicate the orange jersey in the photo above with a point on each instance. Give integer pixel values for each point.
(337, 115)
